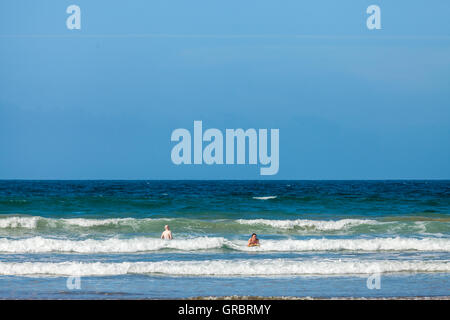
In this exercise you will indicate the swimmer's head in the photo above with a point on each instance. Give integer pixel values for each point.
(253, 235)
(166, 227)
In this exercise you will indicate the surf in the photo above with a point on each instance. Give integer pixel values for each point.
(43, 226)
(255, 267)
(145, 244)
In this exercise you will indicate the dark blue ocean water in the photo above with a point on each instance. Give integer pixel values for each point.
(100, 239)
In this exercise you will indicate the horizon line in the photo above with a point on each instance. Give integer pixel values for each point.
(388, 179)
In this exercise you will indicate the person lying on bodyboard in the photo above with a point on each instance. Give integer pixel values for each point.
(253, 241)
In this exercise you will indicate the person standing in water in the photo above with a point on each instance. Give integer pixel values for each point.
(167, 234)
(253, 241)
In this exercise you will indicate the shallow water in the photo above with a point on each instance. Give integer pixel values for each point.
(318, 238)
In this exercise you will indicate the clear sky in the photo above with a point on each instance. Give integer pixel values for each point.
(102, 102)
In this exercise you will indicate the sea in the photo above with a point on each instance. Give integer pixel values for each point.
(318, 239)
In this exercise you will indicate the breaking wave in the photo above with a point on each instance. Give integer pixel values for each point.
(43, 226)
(322, 225)
(265, 267)
(142, 244)
(265, 198)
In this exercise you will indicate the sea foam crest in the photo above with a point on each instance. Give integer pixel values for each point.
(113, 245)
(32, 222)
(19, 222)
(80, 222)
(322, 225)
(142, 244)
(265, 198)
(255, 267)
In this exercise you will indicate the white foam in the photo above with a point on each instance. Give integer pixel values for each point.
(265, 198)
(35, 222)
(81, 222)
(142, 244)
(322, 225)
(31, 222)
(373, 244)
(114, 245)
(19, 222)
(95, 222)
(256, 267)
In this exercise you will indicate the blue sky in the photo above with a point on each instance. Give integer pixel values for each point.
(101, 102)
